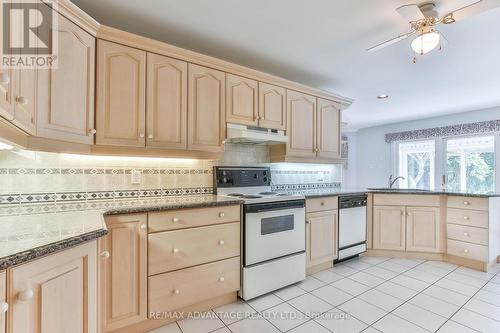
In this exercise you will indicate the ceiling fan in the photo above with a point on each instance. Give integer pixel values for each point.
(423, 18)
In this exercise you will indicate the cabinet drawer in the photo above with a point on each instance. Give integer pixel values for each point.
(179, 289)
(320, 204)
(468, 203)
(396, 199)
(468, 234)
(172, 250)
(471, 218)
(187, 218)
(468, 250)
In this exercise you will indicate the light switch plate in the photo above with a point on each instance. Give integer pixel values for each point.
(135, 177)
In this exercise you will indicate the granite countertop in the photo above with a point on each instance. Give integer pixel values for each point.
(326, 192)
(32, 231)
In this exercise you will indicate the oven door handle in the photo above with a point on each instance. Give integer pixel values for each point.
(266, 207)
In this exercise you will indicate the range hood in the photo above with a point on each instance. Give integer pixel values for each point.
(254, 135)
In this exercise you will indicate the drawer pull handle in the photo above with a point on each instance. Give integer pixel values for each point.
(466, 203)
(4, 306)
(466, 234)
(466, 251)
(221, 242)
(466, 218)
(105, 254)
(143, 226)
(142, 135)
(175, 250)
(175, 219)
(221, 279)
(21, 100)
(176, 292)
(221, 214)
(25, 295)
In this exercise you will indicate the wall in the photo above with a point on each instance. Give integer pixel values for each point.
(373, 155)
(27, 176)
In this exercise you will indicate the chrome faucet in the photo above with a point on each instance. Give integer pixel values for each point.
(392, 181)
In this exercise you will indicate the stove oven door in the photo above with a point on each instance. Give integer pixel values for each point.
(273, 230)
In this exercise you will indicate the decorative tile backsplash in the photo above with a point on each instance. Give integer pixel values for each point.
(38, 177)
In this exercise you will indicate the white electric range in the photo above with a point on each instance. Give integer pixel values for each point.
(273, 230)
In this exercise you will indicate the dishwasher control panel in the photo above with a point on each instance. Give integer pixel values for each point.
(352, 201)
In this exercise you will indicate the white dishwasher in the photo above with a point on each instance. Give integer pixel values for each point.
(352, 226)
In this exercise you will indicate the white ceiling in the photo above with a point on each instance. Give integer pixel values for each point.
(322, 43)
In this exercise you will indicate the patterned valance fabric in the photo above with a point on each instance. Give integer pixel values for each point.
(452, 130)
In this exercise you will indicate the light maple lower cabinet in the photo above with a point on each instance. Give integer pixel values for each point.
(206, 108)
(423, 229)
(120, 100)
(122, 273)
(66, 94)
(56, 294)
(301, 124)
(389, 228)
(3, 301)
(321, 237)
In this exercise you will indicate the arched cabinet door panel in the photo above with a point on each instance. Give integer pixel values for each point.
(241, 100)
(301, 124)
(328, 129)
(272, 106)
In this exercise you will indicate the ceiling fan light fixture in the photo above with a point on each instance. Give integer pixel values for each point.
(426, 42)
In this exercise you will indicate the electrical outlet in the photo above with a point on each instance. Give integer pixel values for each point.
(135, 177)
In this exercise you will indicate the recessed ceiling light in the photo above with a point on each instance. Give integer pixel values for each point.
(383, 96)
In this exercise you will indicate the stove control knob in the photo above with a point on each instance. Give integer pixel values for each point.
(265, 179)
(224, 180)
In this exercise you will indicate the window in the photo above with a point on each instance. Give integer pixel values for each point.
(470, 164)
(416, 161)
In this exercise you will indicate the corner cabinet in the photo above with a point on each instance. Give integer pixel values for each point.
(55, 294)
(120, 101)
(301, 124)
(66, 94)
(206, 109)
(123, 272)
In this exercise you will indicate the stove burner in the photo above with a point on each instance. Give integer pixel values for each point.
(251, 196)
(235, 195)
(267, 193)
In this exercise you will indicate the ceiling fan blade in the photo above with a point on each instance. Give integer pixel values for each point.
(474, 8)
(410, 12)
(390, 42)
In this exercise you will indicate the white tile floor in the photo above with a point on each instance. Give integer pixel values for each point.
(369, 294)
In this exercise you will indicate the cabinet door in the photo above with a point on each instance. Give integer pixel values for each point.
(328, 129)
(166, 114)
(389, 228)
(423, 229)
(206, 109)
(66, 94)
(6, 87)
(123, 275)
(272, 106)
(301, 124)
(321, 237)
(56, 294)
(120, 102)
(3, 301)
(25, 95)
(241, 100)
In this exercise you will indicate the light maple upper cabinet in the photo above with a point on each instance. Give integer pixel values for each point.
(206, 109)
(6, 94)
(66, 94)
(122, 274)
(328, 129)
(25, 95)
(272, 106)
(242, 100)
(56, 294)
(321, 237)
(301, 124)
(423, 229)
(166, 113)
(389, 228)
(121, 89)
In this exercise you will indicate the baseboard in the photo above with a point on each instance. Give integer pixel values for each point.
(404, 254)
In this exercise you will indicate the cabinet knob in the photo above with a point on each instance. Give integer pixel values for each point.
(25, 295)
(4, 306)
(221, 242)
(21, 100)
(466, 203)
(308, 221)
(92, 131)
(221, 279)
(322, 203)
(175, 219)
(176, 292)
(4, 78)
(175, 250)
(466, 234)
(143, 226)
(466, 251)
(142, 135)
(150, 136)
(466, 217)
(104, 254)
(222, 214)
